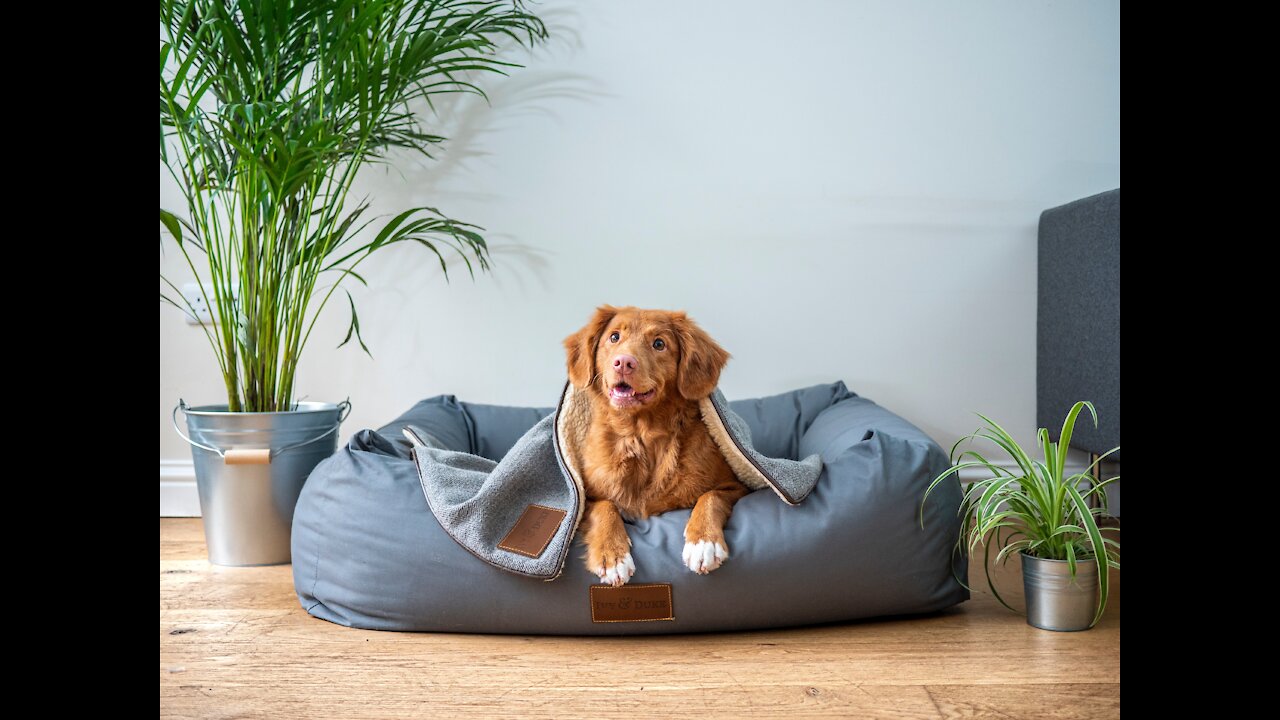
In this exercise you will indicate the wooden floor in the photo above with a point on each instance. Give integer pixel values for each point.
(235, 643)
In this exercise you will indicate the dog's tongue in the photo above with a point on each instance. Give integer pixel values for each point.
(622, 390)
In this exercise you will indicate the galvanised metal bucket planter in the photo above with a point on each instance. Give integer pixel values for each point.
(1056, 601)
(250, 469)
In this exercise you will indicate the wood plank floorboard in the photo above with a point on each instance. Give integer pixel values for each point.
(234, 643)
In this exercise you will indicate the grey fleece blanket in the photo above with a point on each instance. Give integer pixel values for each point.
(480, 502)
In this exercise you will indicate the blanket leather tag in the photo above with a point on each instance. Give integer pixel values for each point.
(533, 531)
(631, 603)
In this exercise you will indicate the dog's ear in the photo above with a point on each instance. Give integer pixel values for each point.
(580, 347)
(701, 359)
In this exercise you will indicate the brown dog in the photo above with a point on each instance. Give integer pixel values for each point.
(647, 450)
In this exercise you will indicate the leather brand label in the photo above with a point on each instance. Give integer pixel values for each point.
(631, 603)
(533, 531)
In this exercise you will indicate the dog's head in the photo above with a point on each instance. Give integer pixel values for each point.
(636, 358)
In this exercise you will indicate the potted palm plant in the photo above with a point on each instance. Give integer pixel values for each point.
(1034, 509)
(268, 111)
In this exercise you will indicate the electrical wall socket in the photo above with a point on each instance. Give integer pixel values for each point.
(203, 315)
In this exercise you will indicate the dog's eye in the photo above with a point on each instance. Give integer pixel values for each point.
(659, 344)
(614, 337)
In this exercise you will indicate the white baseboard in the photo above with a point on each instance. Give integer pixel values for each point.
(179, 498)
(178, 495)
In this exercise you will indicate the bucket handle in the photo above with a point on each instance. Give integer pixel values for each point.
(257, 457)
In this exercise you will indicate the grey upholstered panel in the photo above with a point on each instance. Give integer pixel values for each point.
(368, 552)
(1078, 321)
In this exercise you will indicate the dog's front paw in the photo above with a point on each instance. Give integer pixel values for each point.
(704, 555)
(611, 569)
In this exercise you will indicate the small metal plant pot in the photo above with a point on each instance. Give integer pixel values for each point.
(250, 469)
(1056, 601)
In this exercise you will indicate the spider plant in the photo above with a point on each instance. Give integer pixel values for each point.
(268, 111)
(1035, 507)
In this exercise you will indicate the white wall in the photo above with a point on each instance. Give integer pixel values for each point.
(847, 190)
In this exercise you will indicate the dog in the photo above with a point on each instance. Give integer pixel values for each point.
(647, 450)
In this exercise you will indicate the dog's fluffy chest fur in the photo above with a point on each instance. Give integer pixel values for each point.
(651, 463)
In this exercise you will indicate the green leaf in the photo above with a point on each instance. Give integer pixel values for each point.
(991, 583)
(171, 223)
(1068, 428)
(953, 470)
(1098, 546)
(354, 327)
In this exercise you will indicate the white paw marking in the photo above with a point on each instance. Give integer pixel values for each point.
(617, 574)
(704, 556)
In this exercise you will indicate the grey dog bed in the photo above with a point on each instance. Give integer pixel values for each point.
(369, 553)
